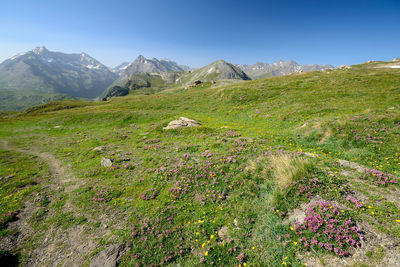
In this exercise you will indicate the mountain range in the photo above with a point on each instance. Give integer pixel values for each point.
(144, 65)
(40, 75)
(264, 70)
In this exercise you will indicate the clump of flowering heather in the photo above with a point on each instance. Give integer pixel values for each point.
(327, 228)
(162, 235)
(151, 194)
(299, 191)
(7, 217)
(232, 133)
(379, 177)
(152, 147)
(106, 195)
(304, 186)
(356, 202)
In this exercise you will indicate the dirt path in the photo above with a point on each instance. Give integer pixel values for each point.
(57, 246)
(60, 173)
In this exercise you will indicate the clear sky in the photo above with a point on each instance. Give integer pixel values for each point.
(196, 33)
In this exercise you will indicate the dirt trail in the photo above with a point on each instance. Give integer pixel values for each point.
(60, 173)
(57, 246)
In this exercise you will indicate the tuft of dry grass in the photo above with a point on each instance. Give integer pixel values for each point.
(287, 169)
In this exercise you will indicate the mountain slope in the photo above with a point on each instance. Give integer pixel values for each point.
(120, 68)
(157, 82)
(144, 65)
(218, 70)
(42, 71)
(280, 67)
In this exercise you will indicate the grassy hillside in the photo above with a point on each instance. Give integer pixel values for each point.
(18, 100)
(230, 191)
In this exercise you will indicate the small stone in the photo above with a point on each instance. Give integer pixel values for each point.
(223, 232)
(352, 165)
(99, 149)
(105, 162)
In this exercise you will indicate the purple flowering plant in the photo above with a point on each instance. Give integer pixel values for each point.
(326, 228)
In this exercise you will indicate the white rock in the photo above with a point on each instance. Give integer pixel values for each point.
(105, 162)
(181, 122)
(98, 149)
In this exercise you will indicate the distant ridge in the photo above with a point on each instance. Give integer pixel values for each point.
(280, 67)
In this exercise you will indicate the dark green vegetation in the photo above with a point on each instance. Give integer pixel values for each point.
(229, 192)
(149, 83)
(13, 100)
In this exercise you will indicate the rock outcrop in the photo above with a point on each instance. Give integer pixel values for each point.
(181, 122)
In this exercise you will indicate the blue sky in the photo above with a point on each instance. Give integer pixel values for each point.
(196, 33)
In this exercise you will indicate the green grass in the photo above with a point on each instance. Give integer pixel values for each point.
(20, 175)
(179, 188)
(20, 100)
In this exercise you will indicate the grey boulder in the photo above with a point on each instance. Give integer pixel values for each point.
(108, 257)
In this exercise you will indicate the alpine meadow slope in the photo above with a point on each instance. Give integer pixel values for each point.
(294, 170)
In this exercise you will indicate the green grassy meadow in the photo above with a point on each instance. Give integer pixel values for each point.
(223, 193)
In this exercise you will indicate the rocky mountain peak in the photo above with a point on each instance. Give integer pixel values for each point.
(140, 58)
(40, 50)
